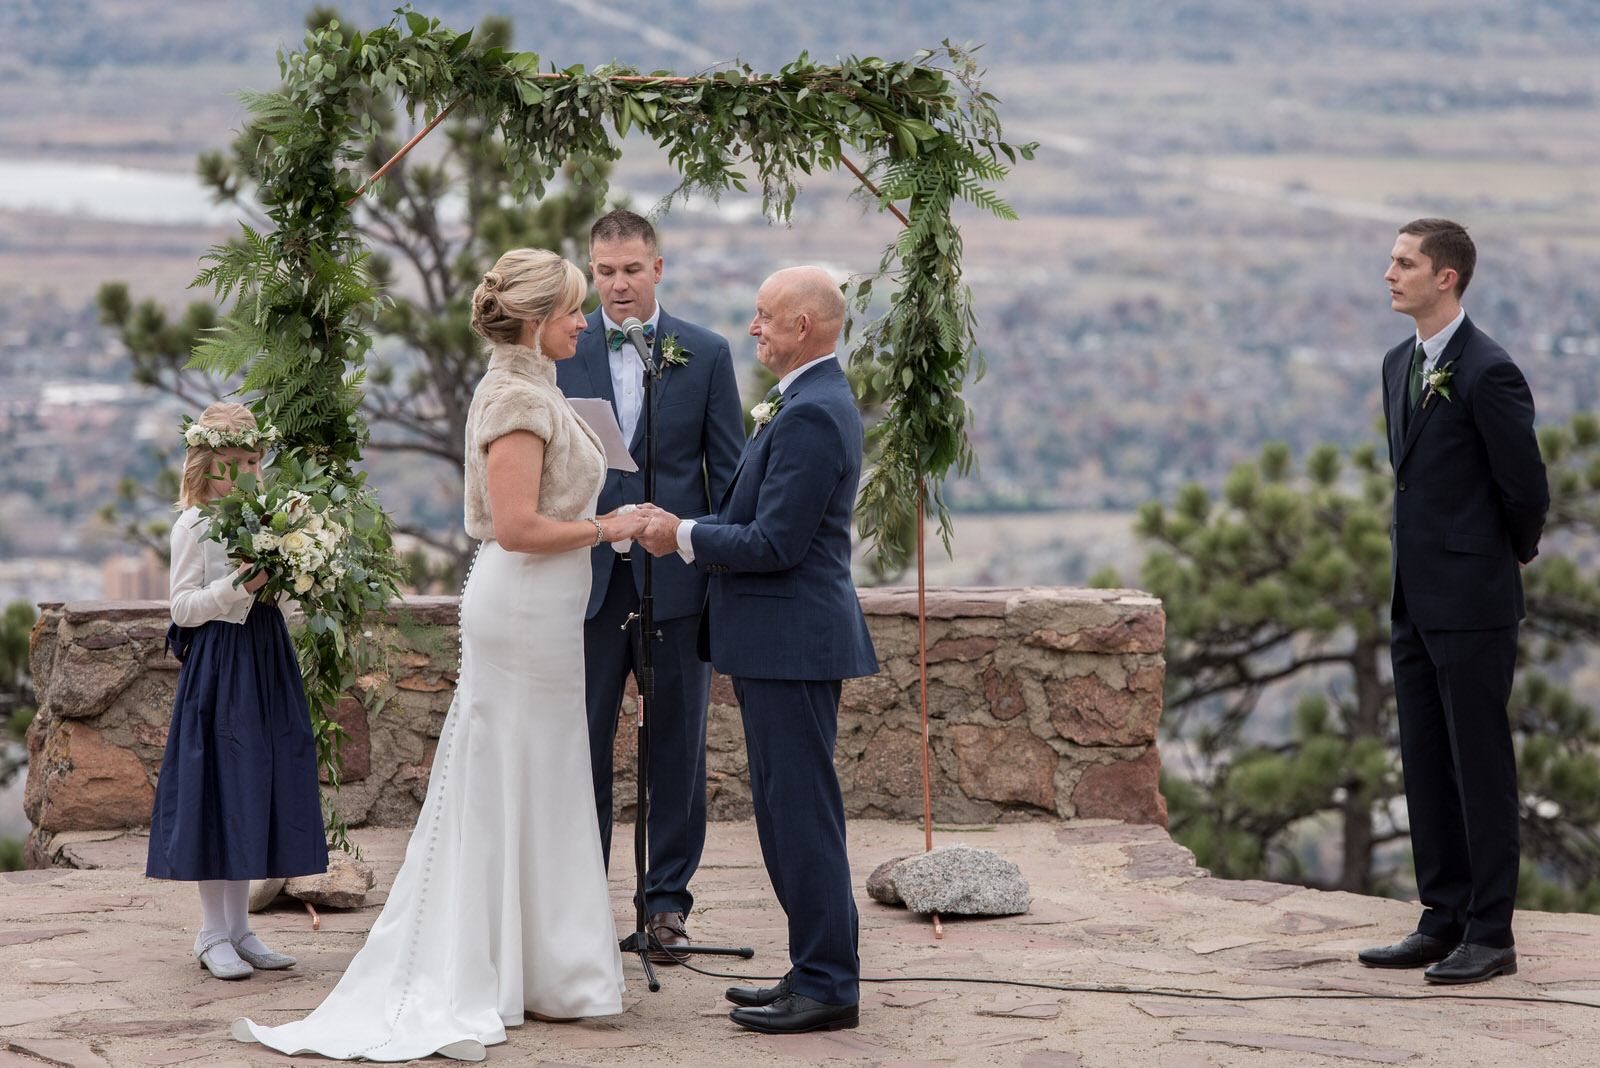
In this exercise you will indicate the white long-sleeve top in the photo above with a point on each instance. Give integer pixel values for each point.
(201, 587)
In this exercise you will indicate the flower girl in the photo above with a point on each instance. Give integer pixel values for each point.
(238, 797)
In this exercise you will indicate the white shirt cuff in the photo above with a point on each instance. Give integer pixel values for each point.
(685, 546)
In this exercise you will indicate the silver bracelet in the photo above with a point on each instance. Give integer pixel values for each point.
(599, 531)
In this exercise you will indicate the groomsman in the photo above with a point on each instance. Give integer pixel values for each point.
(1469, 505)
(784, 622)
(700, 430)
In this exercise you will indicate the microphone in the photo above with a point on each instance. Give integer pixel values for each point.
(635, 331)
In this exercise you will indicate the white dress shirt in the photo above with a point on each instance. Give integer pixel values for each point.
(685, 546)
(627, 376)
(1434, 346)
(201, 587)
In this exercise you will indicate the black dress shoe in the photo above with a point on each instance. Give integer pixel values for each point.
(1412, 951)
(1473, 963)
(795, 1014)
(754, 997)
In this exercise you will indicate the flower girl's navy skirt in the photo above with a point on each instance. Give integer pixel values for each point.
(238, 795)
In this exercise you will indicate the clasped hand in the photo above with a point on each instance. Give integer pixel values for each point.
(660, 537)
(620, 525)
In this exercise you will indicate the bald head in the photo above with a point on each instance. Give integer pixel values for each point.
(799, 313)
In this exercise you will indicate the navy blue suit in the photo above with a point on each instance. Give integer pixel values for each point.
(699, 430)
(1469, 505)
(783, 620)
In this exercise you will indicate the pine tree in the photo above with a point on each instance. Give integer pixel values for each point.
(1280, 726)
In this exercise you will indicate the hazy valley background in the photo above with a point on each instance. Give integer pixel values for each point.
(1197, 270)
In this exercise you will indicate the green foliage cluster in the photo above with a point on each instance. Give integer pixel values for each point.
(1282, 585)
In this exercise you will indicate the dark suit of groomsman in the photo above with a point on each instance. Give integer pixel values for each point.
(699, 435)
(783, 620)
(1469, 504)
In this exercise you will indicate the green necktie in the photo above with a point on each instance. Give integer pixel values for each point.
(1418, 358)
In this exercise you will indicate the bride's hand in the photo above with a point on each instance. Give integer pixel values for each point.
(621, 526)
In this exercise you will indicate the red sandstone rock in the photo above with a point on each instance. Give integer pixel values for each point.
(1008, 765)
(422, 685)
(1004, 694)
(355, 752)
(960, 649)
(1086, 711)
(1123, 790)
(891, 764)
(91, 786)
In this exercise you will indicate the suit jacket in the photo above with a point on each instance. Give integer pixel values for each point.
(1470, 491)
(700, 430)
(781, 603)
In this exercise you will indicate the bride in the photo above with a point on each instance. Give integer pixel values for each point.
(501, 905)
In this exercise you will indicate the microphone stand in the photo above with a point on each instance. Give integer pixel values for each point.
(642, 941)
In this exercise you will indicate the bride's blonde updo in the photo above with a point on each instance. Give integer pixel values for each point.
(527, 284)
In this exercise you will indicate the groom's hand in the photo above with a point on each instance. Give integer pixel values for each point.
(661, 536)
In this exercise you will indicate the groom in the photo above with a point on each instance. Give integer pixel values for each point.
(783, 620)
(699, 428)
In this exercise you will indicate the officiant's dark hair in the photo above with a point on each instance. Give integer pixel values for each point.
(622, 224)
(1446, 245)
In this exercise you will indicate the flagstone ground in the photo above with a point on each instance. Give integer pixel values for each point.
(1164, 968)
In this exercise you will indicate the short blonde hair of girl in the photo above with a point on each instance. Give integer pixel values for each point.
(200, 461)
(526, 285)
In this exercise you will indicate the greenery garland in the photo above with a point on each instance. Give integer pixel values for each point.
(303, 294)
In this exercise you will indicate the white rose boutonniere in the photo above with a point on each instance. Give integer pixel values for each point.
(763, 412)
(672, 353)
(1438, 381)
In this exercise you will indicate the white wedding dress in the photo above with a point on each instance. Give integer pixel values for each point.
(501, 905)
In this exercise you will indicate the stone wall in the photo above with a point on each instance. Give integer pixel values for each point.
(1042, 703)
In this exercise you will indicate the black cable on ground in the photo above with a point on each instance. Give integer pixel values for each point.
(1147, 992)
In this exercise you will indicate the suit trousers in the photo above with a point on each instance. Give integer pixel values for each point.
(790, 727)
(676, 828)
(1452, 688)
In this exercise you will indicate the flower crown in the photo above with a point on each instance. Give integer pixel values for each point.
(216, 437)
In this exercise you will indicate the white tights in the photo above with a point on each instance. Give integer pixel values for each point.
(225, 919)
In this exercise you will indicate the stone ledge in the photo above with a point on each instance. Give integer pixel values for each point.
(1042, 704)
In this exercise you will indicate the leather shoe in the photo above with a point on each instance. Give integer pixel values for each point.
(1473, 963)
(754, 997)
(795, 1014)
(667, 928)
(1412, 951)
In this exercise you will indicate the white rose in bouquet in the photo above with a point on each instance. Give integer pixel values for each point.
(296, 542)
(302, 582)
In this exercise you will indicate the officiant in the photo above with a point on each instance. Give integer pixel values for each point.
(700, 432)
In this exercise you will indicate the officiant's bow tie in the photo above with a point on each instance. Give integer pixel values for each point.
(615, 338)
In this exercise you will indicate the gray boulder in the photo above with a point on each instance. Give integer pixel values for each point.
(961, 881)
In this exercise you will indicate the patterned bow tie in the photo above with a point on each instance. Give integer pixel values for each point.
(615, 338)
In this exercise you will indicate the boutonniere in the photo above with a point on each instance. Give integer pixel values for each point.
(763, 412)
(672, 353)
(1438, 381)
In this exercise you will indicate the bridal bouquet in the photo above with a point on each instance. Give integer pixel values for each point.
(294, 528)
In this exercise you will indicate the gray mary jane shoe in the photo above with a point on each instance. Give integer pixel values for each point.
(237, 969)
(268, 961)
